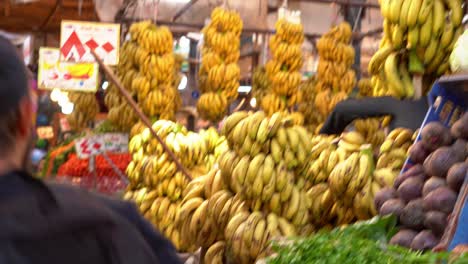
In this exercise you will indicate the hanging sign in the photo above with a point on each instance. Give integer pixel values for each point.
(65, 75)
(78, 38)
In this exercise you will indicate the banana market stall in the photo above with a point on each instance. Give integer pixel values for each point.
(266, 187)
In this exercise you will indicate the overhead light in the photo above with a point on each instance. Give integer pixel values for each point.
(183, 83)
(244, 88)
(253, 102)
(67, 108)
(105, 84)
(54, 95)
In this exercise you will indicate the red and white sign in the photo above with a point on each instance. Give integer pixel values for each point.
(109, 142)
(78, 38)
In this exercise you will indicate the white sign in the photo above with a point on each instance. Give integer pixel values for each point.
(65, 75)
(78, 38)
(94, 145)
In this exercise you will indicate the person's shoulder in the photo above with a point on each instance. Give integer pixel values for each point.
(66, 192)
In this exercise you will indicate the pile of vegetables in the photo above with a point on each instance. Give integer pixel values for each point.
(76, 167)
(363, 242)
(56, 157)
(424, 196)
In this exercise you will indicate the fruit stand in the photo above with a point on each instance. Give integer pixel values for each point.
(265, 186)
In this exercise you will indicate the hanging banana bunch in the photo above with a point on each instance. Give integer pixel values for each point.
(312, 118)
(219, 73)
(148, 70)
(418, 39)
(283, 70)
(260, 84)
(335, 78)
(85, 109)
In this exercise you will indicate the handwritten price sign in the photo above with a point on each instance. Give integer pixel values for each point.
(94, 145)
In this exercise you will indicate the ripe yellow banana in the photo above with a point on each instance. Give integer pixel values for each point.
(392, 75)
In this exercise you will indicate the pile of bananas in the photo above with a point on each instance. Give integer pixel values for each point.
(372, 129)
(341, 180)
(148, 70)
(260, 84)
(215, 144)
(85, 109)
(252, 196)
(155, 182)
(312, 118)
(283, 70)
(365, 88)
(219, 73)
(418, 39)
(335, 78)
(394, 150)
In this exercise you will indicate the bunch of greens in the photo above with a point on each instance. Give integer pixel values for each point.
(363, 243)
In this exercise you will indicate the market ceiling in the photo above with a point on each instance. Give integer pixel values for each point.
(43, 15)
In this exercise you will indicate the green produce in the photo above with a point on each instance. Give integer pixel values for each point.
(363, 242)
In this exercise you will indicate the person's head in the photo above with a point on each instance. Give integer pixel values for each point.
(16, 108)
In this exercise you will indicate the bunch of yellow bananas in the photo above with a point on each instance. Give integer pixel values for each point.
(312, 118)
(372, 129)
(336, 57)
(162, 213)
(283, 70)
(155, 182)
(326, 100)
(394, 149)
(260, 83)
(219, 73)
(365, 88)
(418, 39)
(85, 109)
(148, 70)
(335, 78)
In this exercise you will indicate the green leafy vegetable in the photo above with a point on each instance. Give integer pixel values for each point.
(363, 243)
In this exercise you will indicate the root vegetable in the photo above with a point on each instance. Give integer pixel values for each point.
(418, 152)
(440, 161)
(434, 135)
(392, 206)
(456, 175)
(432, 184)
(412, 216)
(460, 127)
(415, 171)
(436, 221)
(425, 240)
(410, 189)
(442, 199)
(384, 195)
(403, 238)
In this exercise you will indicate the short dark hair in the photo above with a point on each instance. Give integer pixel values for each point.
(8, 130)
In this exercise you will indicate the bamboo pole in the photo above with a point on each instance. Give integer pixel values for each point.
(110, 74)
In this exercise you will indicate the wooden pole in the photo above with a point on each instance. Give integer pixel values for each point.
(110, 74)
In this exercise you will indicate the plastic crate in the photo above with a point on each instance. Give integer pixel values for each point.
(449, 100)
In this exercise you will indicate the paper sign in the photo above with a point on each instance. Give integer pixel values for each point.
(78, 38)
(65, 75)
(109, 142)
(45, 132)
